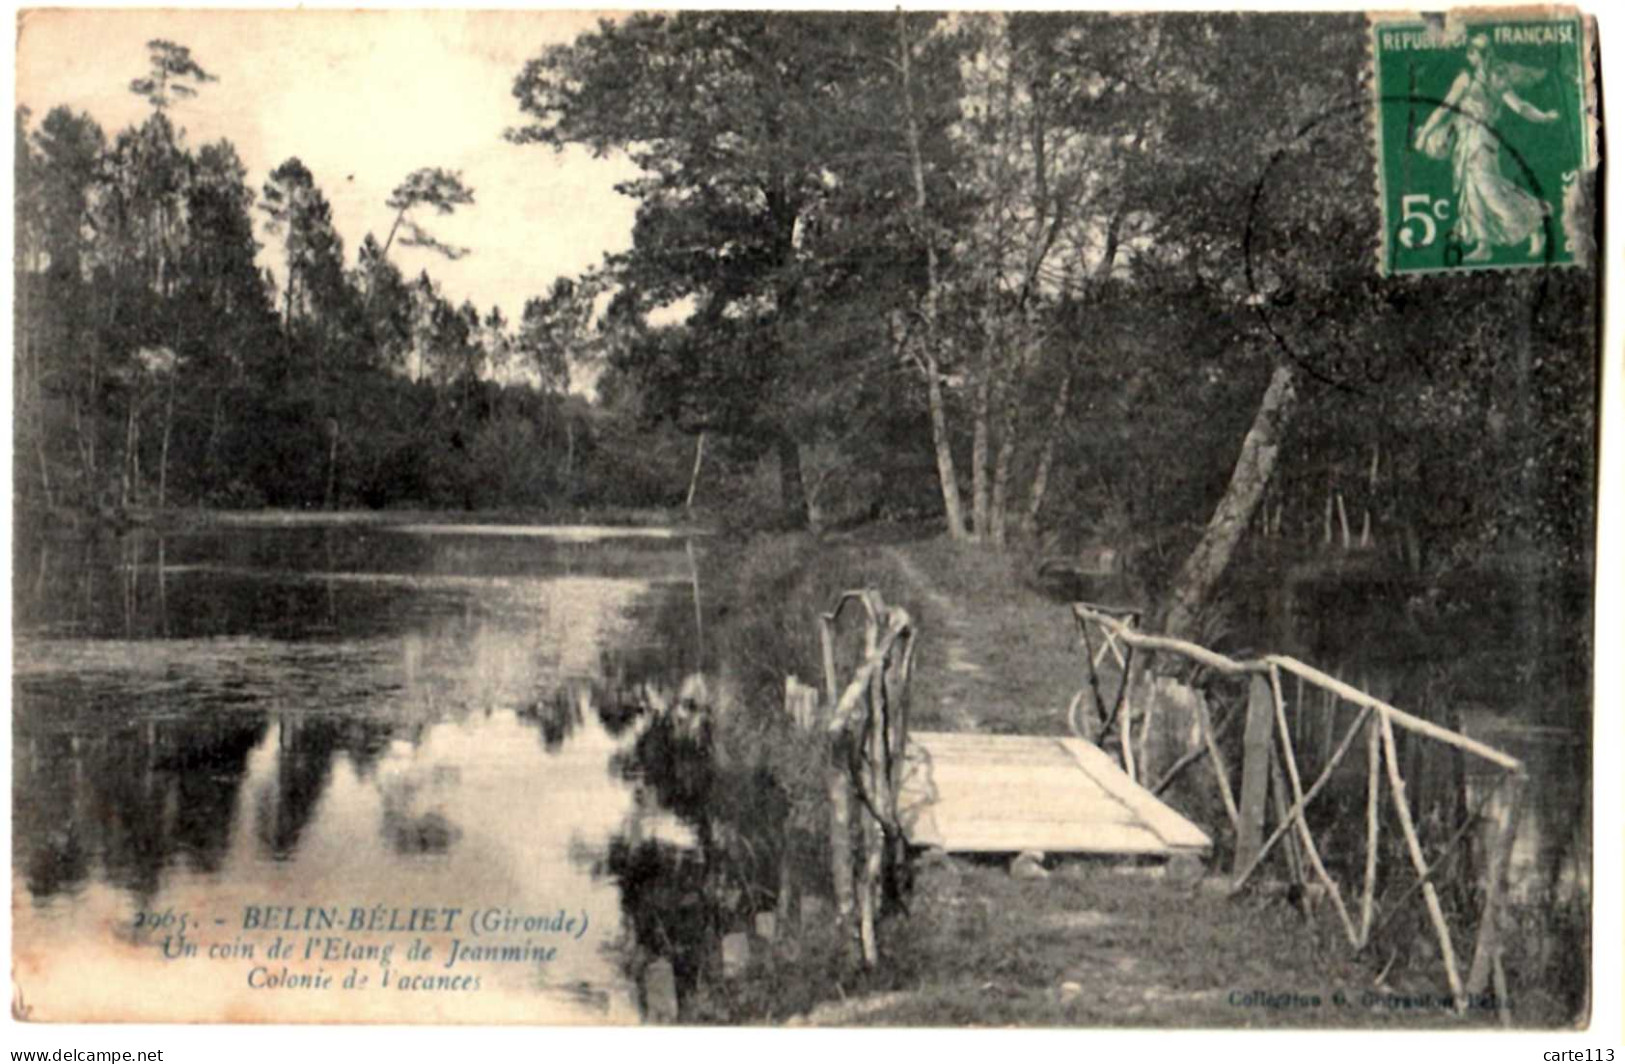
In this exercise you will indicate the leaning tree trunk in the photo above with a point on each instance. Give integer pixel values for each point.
(694, 477)
(1256, 464)
(947, 475)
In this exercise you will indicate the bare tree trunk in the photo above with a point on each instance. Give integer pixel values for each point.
(1254, 466)
(792, 489)
(95, 387)
(569, 450)
(814, 478)
(947, 475)
(1370, 498)
(211, 450)
(32, 391)
(87, 457)
(979, 444)
(163, 450)
(1046, 456)
(1052, 430)
(85, 439)
(44, 464)
(332, 463)
(1006, 454)
(41, 422)
(131, 469)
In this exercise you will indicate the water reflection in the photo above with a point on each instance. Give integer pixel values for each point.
(325, 714)
(556, 716)
(1503, 655)
(125, 803)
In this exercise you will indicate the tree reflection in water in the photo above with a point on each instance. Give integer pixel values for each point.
(680, 897)
(128, 800)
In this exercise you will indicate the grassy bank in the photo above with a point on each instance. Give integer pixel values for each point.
(182, 519)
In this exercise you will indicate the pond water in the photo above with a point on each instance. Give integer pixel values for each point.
(252, 728)
(1492, 663)
(266, 730)
(1501, 655)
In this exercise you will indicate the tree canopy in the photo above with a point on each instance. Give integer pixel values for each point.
(1049, 279)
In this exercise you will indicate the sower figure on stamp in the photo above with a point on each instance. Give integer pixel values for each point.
(1491, 210)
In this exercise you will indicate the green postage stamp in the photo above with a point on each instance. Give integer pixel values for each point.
(1483, 139)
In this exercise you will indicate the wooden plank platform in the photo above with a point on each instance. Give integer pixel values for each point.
(970, 793)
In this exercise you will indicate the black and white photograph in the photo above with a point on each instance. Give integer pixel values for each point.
(882, 518)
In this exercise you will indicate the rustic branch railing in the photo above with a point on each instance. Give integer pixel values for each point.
(867, 724)
(1101, 629)
(1123, 653)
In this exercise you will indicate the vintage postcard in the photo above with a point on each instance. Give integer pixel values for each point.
(1062, 520)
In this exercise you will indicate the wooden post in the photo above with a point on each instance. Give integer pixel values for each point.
(868, 892)
(1125, 719)
(801, 706)
(898, 675)
(1294, 856)
(1239, 879)
(788, 904)
(1487, 949)
(1255, 772)
(1302, 716)
(826, 638)
(1145, 724)
(1309, 849)
(872, 729)
(840, 787)
(1221, 770)
(1414, 844)
(1373, 809)
(898, 686)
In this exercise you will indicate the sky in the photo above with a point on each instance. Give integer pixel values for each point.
(363, 98)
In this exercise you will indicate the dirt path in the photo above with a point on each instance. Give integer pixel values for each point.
(958, 689)
(995, 655)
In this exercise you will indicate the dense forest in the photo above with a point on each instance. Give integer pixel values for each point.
(160, 363)
(1048, 281)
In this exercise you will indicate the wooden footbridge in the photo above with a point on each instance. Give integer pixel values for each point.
(972, 793)
(1013, 793)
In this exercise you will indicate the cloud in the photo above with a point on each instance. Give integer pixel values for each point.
(363, 98)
